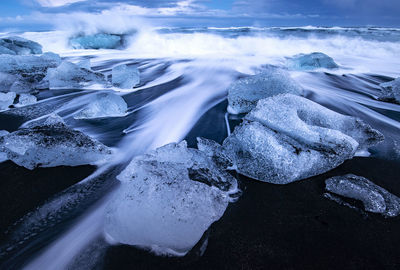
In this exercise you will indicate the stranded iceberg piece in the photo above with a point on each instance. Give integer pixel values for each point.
(97, 41)
(288, 138)
(19, 46)
(24, 73)
(167, 199)
(26, 99)
(52, 144)
(311, 61)
(6, 99)
(104, 105)
(69, 75)
(126, 77)
(374, 198)
(391, 91)
(244, 93)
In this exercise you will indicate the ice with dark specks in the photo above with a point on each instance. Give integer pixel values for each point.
(25, 73)
(51, 143)
(288, 138)
(374, 198)
(6, 100)
(390, 91)
(19, 46)
(69, 75)
(167, 199)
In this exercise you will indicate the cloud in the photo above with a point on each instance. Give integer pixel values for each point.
(57, 3)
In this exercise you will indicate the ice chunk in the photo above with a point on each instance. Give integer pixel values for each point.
(104, 105)
(167, 199)
(310, 123)
(3, 156)
(85, 63)
(391, 91)
(24, 73)
(311, 61)
(20, 46)
(124, 76)
(97, 41)
(52, 144)
(6, 99)
(26, 99)
(288, 138)
(69, 75)
(374, 198)
(244, 93)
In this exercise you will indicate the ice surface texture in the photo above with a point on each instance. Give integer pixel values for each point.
(126, 77)
(26, 99)
(391, 91)
(244, 93)
(69, 75)
(97, 41)
(52, 144)
(24, 73)
(311, 61)
(6, 99)
(167, 199)
(288, 138)
(103, 105)
(19, 46)
(374, 198)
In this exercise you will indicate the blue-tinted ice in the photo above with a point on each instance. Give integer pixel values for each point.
(391, 91)
(375, 199)
(167, 199)
(244, 93)
(19, 46)
(124, 76)
(311, 61)
(97, 41)
(103, 105)
(288, 138)
(51, 143)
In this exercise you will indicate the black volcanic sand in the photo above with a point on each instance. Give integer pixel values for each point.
(291, 227)
(22, 190)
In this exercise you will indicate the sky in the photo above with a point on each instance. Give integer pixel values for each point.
(46, 14)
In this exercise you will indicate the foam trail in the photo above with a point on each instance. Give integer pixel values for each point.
(60, 254)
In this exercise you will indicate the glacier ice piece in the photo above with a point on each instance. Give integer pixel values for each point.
(97, 41)
(19, 46)
(6, 99)
(167, 199)
(104, 105)
(244, 93)
(3, 156)
(124, 76)
(69, 75)
(288, 138)
(24, 73)
(311, 61)
(85, 63)
(26, 99)
(391, 91)
(374, 198)
(52, 144)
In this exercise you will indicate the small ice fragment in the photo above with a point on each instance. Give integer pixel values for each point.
(104, 105)
(311, 61)
(6, 99)
(374, 198)
(244, 93)
(125, 77)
